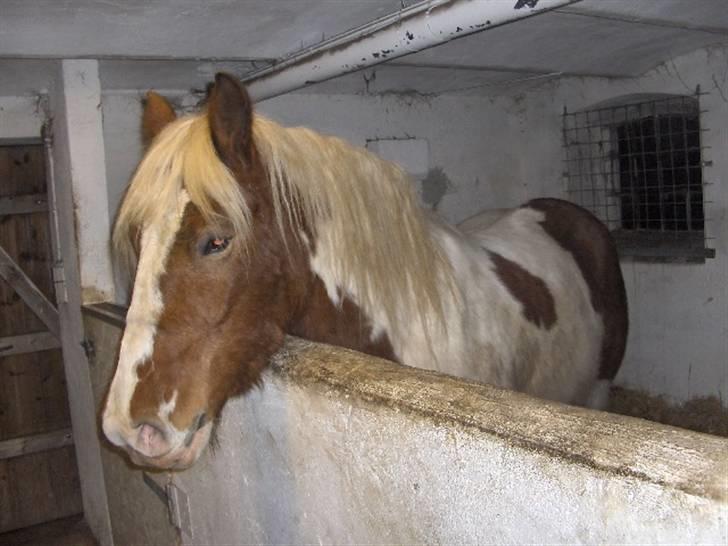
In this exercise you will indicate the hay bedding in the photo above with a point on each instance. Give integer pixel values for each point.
(705, 415)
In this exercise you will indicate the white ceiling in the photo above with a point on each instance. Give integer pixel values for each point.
(179, 44)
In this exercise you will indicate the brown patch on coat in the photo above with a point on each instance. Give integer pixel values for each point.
(588, 240)
(535, 297)
(344, 325)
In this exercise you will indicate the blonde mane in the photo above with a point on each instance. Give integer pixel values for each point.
(374, 228)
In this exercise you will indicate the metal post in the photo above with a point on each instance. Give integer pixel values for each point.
(417, 27)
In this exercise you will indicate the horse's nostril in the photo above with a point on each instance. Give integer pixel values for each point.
(150, 439)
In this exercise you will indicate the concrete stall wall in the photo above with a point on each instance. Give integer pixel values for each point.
(492, 152)
(338, 447)
(137, 514)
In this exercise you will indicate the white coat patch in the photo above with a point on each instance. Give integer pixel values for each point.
(146, 306)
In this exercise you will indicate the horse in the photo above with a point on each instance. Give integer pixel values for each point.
(241, 231)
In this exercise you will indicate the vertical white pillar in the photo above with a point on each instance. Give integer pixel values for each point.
(81, 97)
(79, 181)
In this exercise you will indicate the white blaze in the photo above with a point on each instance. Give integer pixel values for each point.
(142, 318)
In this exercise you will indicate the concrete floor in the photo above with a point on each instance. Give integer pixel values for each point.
(71, 531)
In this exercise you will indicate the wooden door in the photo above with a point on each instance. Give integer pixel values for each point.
(38, 474)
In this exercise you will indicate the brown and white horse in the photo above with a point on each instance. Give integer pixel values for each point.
(244, 231)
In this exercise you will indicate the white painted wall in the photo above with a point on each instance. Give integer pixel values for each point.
(20, 117)
(499, 152)
(469, 138)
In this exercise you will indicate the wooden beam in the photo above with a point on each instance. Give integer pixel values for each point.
(34, 298)
(36, 443)
(23, 204)
(110, 313)
(28, 343)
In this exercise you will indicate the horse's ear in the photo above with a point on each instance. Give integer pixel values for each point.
(158, 112)
(230, 111)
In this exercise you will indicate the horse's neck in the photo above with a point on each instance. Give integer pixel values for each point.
(343, 324)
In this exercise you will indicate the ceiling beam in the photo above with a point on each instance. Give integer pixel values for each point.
(263, 61)
(648, 21)
(415, 28)
(526, 71)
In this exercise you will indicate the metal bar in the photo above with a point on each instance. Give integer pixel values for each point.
(139, 58)
(411, 29)
(26, 445)
(108, 312)
(158, 490)
(28, 343)
(32, 296)
(59, 275)
(657, 120)
(631, 162)
(673, 178)
(704, 201)
(23, 204)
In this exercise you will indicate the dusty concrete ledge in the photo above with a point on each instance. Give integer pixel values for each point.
(670, 457)
(338, 447)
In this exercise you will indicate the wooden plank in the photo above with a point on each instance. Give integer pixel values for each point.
(38, 487)
(35, 444)
(110, 313)
(28, 343)
(32, 296)
(33, 397)
(45, 485)
(23, 204)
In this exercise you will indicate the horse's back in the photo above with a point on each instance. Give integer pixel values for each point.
(588, 240)
(482, 221)
(554, 302)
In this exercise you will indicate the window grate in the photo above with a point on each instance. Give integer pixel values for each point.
(638, 167)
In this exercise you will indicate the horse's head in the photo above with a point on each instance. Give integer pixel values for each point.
(242, 230)
(209, 302)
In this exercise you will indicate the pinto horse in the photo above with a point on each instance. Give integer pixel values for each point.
(243, 231)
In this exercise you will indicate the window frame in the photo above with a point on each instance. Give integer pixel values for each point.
(592, 174)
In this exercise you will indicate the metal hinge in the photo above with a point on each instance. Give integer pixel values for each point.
(177, 502)
(89, 348)
(59, 280)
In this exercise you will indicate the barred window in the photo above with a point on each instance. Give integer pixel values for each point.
(637, 164)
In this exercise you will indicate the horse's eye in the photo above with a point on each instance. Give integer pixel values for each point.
(215, 245)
